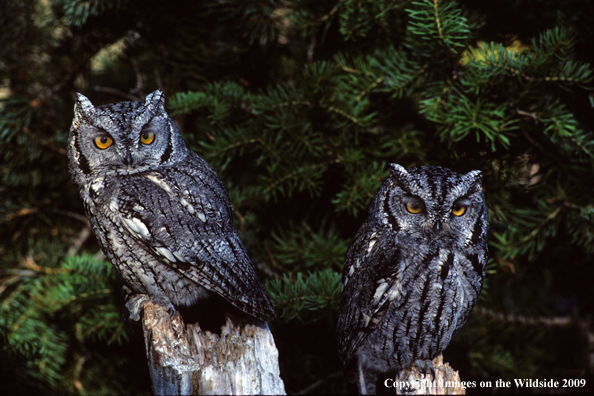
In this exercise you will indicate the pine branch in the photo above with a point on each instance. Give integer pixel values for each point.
(275, 185)
(324, 17)
(296, 298)
(319, 382)
(542, 224)
(539, 64)
(439, 21)
(525, 320)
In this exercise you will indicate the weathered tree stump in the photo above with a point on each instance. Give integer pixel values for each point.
(184, 360)
(446, 381)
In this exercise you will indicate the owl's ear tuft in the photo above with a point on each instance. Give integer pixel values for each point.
(398, 172)
(83, 107)
(474, 180)
(155, 101)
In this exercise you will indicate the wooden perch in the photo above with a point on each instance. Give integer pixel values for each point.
(184, 360)
(446, 381)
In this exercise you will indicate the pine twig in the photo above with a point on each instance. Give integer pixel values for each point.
(525, 320)
(117, 92)
(550, 217)
(318, 383)
(326, 16)
(437, 21)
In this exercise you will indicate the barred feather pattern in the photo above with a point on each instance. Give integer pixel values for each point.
(410, 280)
(160, 213)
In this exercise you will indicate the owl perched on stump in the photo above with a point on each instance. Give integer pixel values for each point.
(413, 272)
(160, 213)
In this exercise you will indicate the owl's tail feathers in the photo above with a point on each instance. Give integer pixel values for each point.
(257, 304)
(366, 380)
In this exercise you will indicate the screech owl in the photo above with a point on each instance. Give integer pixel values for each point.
(413, 272)
(160, 213)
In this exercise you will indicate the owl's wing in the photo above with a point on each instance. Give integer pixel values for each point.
(473, 285)
(184, 216)
(370, 284)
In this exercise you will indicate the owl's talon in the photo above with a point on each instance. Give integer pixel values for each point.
(166, 303)
(136, 304)
(425, 367)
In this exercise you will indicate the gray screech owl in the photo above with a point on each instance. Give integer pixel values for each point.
(413, 272)
(160, 212)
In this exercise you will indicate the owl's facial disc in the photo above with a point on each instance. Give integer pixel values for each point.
(434, 221)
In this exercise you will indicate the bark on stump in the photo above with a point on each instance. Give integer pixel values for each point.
(446, 381)
(184, 360)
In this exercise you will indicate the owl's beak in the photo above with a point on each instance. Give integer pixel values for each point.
(437, 227)
(128, 159)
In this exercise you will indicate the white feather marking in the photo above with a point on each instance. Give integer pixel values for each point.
(182, 201)
(141, 228)
(371, 243)
(113, 205)
(358, 263)
(118, 248)
(393, 293)
(159, 183)
(187, 205)
(131, 225)
(97, 185)
(352, 270)
(179, 256)
(137, 227)
(379, 292)
(366, 319)
(166, 253)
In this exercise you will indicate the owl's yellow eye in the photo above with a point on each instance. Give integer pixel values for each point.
(413, 204)
(413, 207)
(458, 209)
(103, 142)
(147, 137)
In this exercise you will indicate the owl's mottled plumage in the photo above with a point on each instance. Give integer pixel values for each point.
(412, 275)
(160, 212)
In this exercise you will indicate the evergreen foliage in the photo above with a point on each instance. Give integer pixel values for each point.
(300, 106)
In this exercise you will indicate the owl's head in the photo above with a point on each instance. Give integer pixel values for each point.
(435, 203)
(124, 137)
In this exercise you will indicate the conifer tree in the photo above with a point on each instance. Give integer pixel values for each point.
(300, 106)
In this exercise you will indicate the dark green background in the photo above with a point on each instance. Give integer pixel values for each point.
(300, 106)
